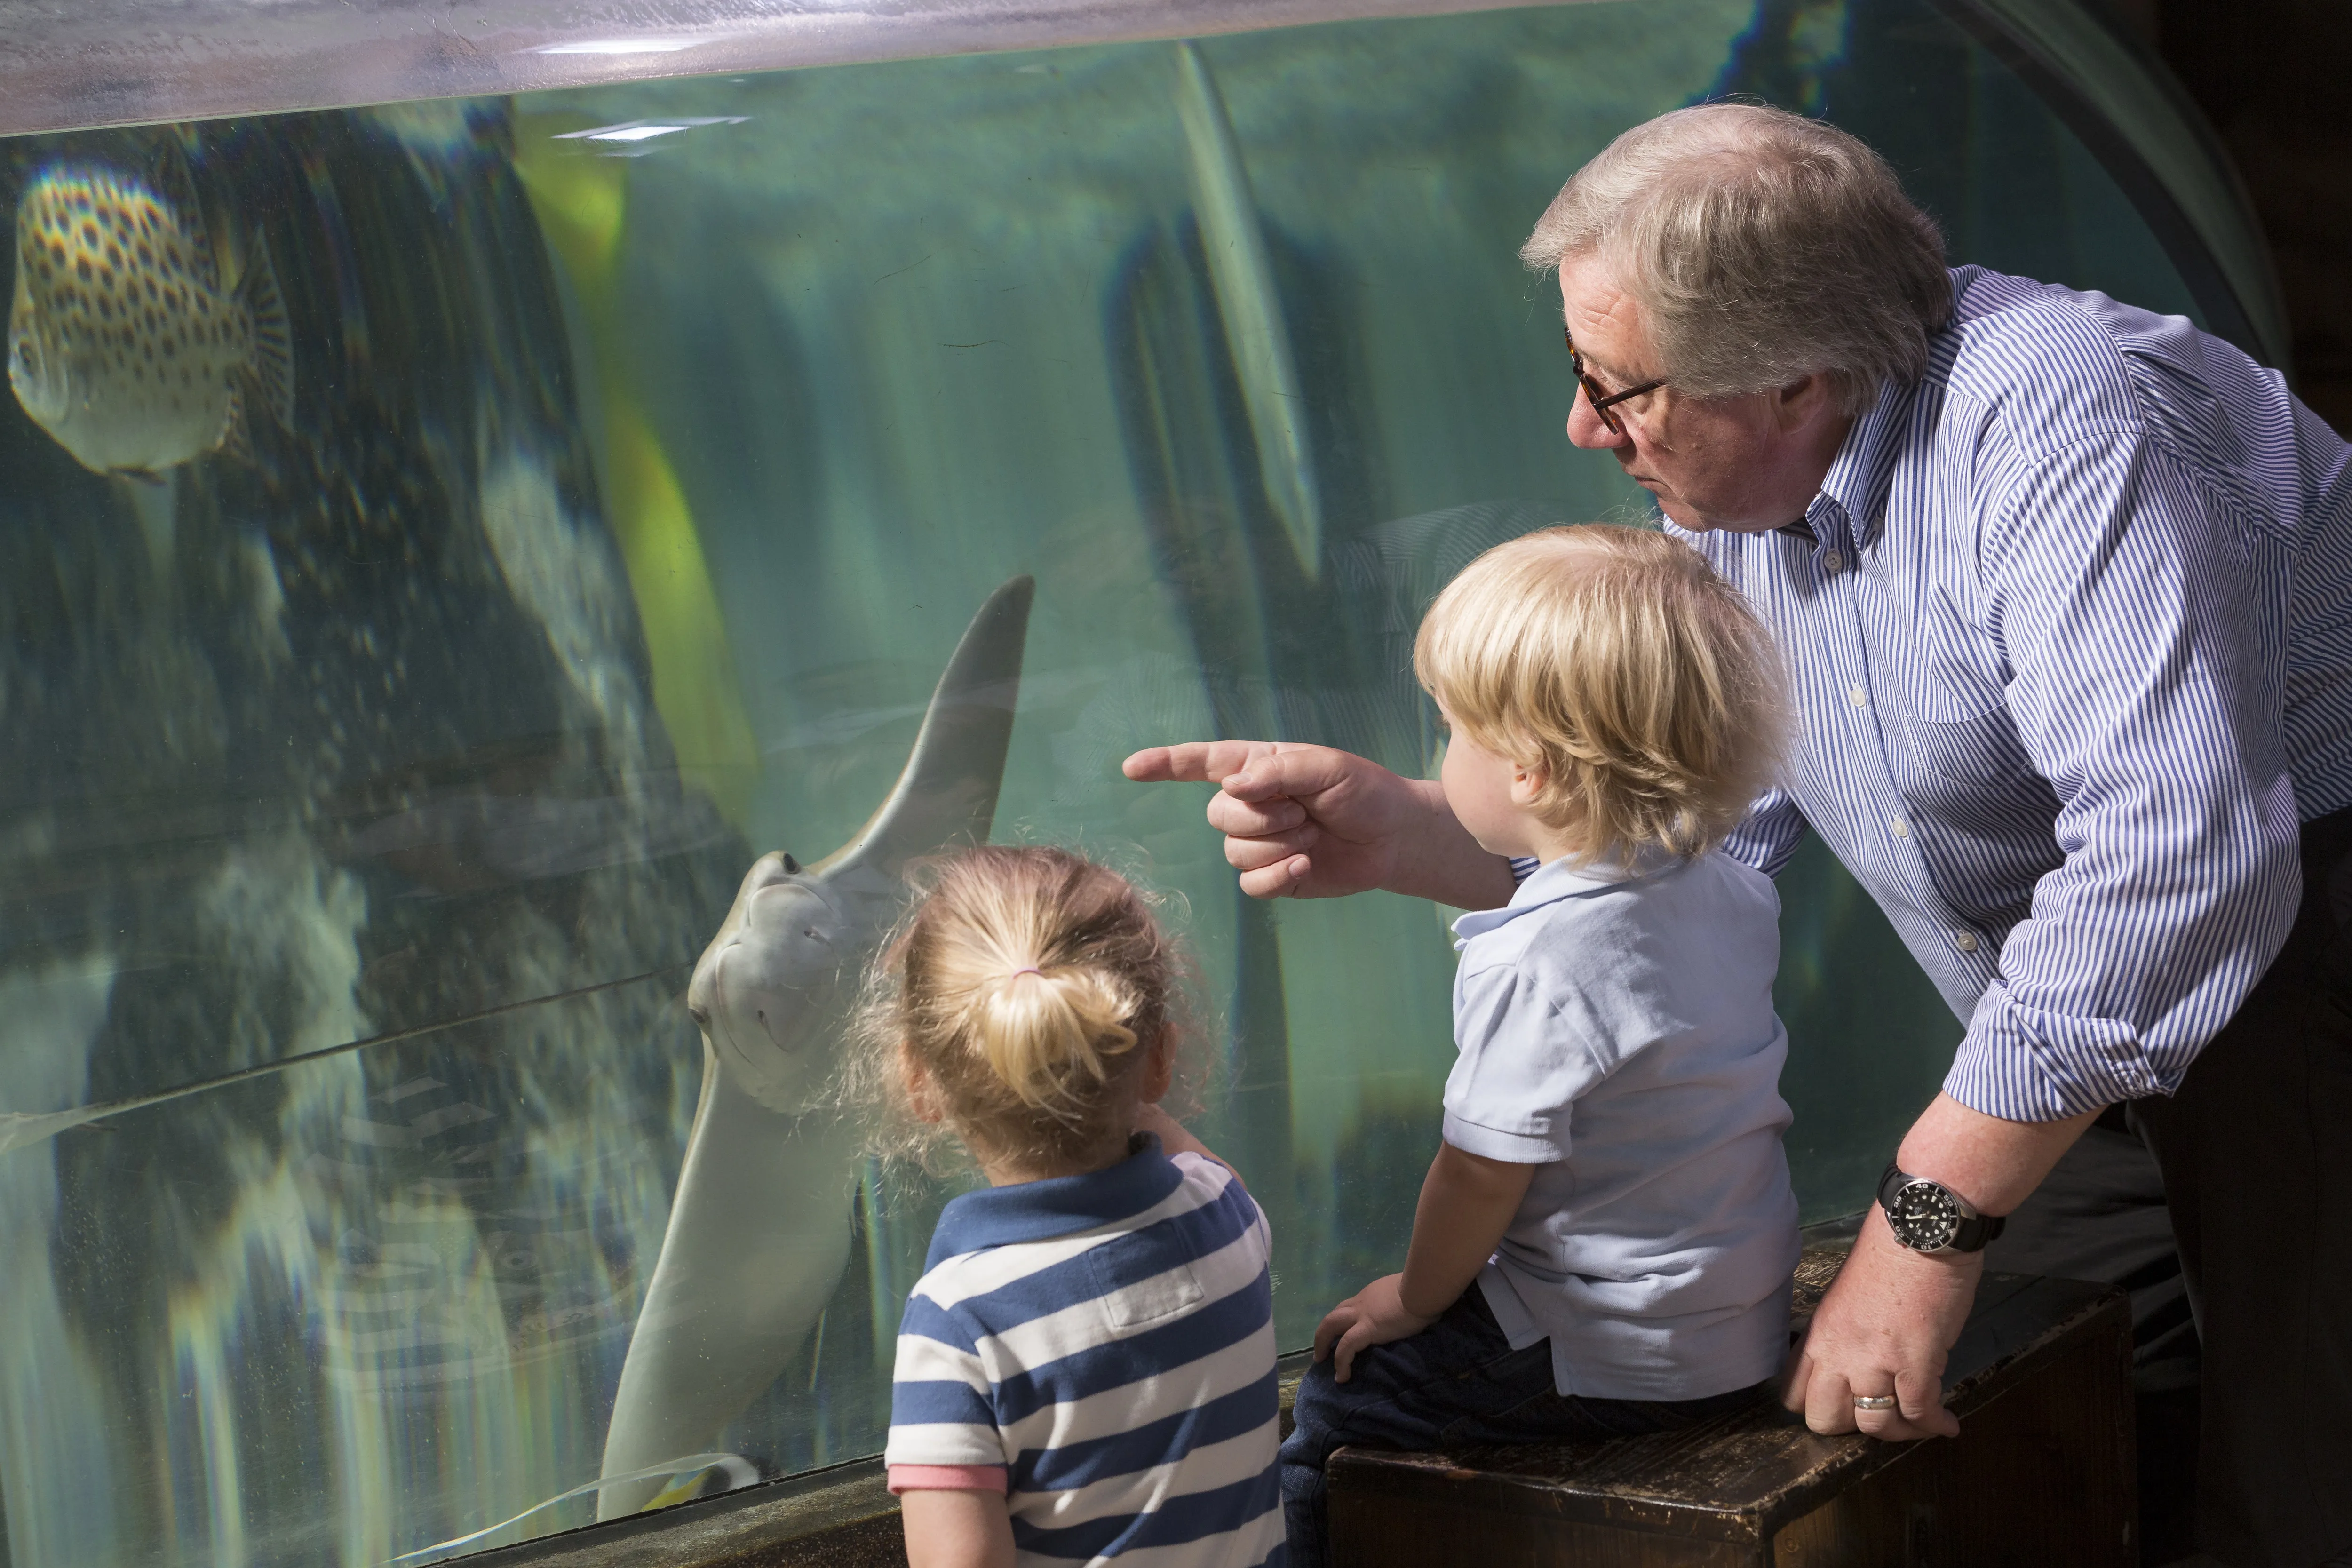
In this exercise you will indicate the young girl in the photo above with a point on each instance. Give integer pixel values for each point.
(1085, 1368)
(1605, 1239)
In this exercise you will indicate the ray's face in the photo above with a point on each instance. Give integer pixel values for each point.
(771, 986)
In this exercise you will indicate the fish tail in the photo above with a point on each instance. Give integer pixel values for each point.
(273, 337)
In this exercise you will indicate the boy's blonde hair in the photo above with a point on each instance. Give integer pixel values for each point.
(1617, 663)
(1028, 984)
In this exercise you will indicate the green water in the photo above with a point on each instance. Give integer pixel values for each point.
(631, 508)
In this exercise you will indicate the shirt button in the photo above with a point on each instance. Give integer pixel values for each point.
(1832, 562)
(1966, 941)
(1898, 827)
(1858, 697)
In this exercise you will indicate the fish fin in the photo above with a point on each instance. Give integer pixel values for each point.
(155, 502)
(172, 173)
(273, 338)
(234, 441)
(174, 177)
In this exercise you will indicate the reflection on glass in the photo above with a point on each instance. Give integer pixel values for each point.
(649, 451)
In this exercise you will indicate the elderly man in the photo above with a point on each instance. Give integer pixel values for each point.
(2062, 587)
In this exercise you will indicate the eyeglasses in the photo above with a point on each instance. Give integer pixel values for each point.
(1604, 400)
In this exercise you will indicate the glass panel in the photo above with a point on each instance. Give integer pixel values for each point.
(567, 499)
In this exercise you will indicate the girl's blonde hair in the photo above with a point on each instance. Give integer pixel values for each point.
(1028, 984)
(1616, 663)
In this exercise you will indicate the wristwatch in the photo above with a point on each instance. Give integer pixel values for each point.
(1929, 1216)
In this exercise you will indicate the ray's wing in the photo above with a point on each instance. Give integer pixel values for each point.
(946, 795)
(1241, 272)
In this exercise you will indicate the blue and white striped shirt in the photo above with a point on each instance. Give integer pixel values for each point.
(2072, 649)
(1107, 1340)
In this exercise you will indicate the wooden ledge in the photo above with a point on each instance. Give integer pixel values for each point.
(840, 1517)
(2042, 1474)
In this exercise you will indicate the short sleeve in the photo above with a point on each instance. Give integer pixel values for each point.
(942, 1410)
(904, 1479)
(1521, 1072)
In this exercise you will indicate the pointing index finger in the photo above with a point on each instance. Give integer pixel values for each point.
(1192, 761)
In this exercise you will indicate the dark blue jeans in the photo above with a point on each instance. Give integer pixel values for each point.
(1458, 1380)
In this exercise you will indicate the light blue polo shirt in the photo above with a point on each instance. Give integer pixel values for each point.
(1616, 1030)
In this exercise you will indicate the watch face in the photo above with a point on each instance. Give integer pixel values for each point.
(1923, 1217)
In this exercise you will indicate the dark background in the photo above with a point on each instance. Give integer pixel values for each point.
(2270, 74)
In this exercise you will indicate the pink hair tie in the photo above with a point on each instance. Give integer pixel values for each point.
(1019, 973)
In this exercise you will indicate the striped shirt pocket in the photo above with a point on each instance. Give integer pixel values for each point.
(1132, 1303)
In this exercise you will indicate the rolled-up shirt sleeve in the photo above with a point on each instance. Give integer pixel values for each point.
(1519, 1073)
(2146, 687)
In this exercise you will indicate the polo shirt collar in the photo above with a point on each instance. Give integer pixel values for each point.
(1058, 1205)
(1559, 880)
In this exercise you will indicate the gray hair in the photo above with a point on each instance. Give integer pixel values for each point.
(1762, 246)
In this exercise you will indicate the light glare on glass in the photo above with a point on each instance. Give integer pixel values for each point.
(619, 47)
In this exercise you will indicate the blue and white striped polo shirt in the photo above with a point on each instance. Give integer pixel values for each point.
(2070, 629)
(1102, 1346)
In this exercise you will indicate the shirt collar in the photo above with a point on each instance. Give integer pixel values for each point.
(1863, 472)
(1559, 880)
(1058, 1205)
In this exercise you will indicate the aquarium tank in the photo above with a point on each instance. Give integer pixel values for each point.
(524, 475)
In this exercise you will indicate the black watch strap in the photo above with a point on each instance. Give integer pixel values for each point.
(1973, 1231)
(1976, 1231)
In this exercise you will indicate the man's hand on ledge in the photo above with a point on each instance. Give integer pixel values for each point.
(1885, 1327)
(1891, 1316)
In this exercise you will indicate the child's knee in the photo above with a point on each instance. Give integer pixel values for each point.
(1319, 1410)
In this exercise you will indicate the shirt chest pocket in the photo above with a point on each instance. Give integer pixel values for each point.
(1956, 712)
(1140, 1286)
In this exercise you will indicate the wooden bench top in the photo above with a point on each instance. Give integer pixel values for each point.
(1744, 1476)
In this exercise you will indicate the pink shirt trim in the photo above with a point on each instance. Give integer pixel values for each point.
(948, 1479)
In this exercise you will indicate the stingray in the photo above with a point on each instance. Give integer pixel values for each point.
(759, 1228)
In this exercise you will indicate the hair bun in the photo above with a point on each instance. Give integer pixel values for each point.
(1046, 1070)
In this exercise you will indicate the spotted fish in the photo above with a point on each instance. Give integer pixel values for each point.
(128, 341)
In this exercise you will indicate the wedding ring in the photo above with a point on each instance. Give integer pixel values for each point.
(1873, 1402)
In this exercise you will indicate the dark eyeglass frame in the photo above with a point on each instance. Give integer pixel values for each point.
(1603, 401)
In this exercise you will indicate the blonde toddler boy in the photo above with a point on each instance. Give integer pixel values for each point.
(1605, 1240)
